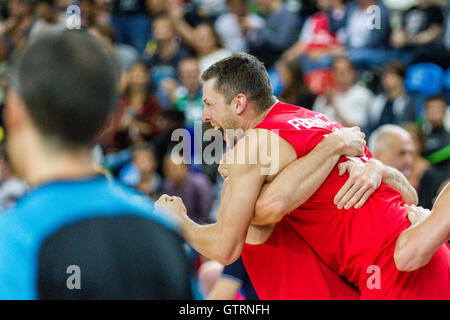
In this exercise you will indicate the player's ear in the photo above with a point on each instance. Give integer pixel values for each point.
(240, 103)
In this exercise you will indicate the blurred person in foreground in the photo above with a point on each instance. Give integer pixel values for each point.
(73, 216)
(394, 147)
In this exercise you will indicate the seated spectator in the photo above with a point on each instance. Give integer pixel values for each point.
(125, 54)
(279, 33)
(437, 137)
(420, 165)
(163, 54)
(187, 97)
(131, 23)
(393, 105)
(18, 25)
(295, 90)
(367, 43)
(393, 146)
(421, 29)
(349, 102)
(193, 188)
(48, 20)
(228, 25)
(141, 172)
(208, 46)
(203, 39)
(317, 44)
(432, 181)
(137, 113)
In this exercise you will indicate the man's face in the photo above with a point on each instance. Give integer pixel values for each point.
(344, 73)
(399, 153)
(189, 73)
(391, 81)
(216, 111)
(435, 112)
(144, 160)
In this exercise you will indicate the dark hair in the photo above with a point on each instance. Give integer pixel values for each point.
(439, 96)
(293, 91)
(395, 67)
(242, 73)
(343, 58)
(68, 83)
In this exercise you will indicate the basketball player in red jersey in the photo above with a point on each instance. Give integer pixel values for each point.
(350, 242)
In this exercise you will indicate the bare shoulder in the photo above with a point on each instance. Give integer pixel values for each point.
(265, 150)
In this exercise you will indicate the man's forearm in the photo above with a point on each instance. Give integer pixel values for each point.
(296, 183)
(417, 244)
(396, 180)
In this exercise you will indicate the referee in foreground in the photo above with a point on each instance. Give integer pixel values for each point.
(77, 234)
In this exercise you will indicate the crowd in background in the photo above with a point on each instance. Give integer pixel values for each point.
(385, 69)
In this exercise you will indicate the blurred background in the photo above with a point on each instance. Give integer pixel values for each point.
(381, 65)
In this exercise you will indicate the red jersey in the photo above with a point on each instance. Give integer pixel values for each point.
(353, 243)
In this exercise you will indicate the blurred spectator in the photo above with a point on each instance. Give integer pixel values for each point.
(208, 46)
(18, 25)
(48, 20)
(437, 138)
(278, 34)
(89, 13)
(393, 105)
(141, 172)
(125, 54)
(131, 22)
(193, 188)
(349, 102)
(420, 165)
(367, 43)
(228, 25)
(432, 181)
(203, 39)
(317, 44)
(393, 146)
(170, 120)
(295, 90)
(163, 54)
(421, 29)
(187, 97)
(11, 187)
(137, 113)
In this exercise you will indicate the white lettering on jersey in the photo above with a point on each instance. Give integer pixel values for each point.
(316, 121)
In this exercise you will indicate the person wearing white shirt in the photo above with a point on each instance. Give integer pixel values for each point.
(347, 103)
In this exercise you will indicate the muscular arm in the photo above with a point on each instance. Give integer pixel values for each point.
(297, 182)
(416, 245)
(223, 240)
(396, 180)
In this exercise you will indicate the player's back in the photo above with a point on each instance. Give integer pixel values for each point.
(350, 241)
